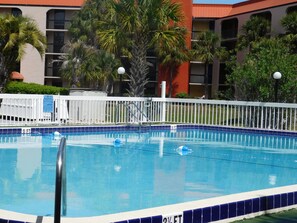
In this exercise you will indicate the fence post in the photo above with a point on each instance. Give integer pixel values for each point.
(163, 96)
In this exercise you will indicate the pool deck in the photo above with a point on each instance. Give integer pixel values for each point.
(252, 207)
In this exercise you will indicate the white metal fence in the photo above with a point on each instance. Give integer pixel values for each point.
(30, 110)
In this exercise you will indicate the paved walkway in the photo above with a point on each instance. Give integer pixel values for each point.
(282, 217)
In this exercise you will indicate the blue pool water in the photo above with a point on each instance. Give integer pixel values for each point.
(147, 169)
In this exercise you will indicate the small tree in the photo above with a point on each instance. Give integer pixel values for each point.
(253, 30)
(84, 24)
(84, 65)
(15, 34)
(253, 78)
(75, 62)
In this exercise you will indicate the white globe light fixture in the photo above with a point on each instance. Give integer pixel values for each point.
(121, 71)
(277, 75)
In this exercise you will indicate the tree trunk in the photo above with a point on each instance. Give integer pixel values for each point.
(3, 73)
(139, 67)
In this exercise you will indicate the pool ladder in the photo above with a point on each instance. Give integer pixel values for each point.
(136, 113)
(61, 189)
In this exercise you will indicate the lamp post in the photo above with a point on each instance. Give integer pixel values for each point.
(121, 71)
(276, 76)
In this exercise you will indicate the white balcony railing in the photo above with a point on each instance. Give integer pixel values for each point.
(34, 110)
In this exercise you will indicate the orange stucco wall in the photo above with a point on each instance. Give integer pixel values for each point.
(72, 3)
(180, 81)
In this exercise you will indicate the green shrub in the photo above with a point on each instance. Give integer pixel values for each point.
(15, 87)
(182, 95)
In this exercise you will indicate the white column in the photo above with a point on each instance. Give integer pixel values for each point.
(163, 96)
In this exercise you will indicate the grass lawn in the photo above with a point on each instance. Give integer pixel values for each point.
(282, 217)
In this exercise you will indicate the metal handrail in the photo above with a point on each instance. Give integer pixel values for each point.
(138, 110)
(61, 189)
(131, 112)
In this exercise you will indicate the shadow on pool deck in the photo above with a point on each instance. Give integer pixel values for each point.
(282, 217)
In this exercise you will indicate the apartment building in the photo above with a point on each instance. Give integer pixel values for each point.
(227, 21)
(53, 18)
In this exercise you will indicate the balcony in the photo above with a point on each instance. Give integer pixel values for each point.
(54, 48)
(58, 24)
(229, 34)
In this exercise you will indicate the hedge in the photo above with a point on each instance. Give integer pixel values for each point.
(15, 87)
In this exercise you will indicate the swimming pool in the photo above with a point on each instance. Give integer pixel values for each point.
(146, 170)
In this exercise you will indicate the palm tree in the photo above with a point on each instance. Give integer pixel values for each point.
(84, 65)
(15, 34)
(108, 66)
(76, 57)
(84, 24)
(253, 30)
(206, 49)
(132, 27)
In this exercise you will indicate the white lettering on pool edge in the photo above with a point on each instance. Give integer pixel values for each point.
(175, 218)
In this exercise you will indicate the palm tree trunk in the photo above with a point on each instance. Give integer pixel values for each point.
(3, 73)
(139, 67)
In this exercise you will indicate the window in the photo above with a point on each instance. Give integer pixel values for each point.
(229, 28)
(223, 73)
(264, 15)
(197, 73)
(55, 19)
(59, 19)
(201, 26)
(58, 41)
(52, 66)
(292, 9)
(16, 12)
(229, 45)
(152, 63)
